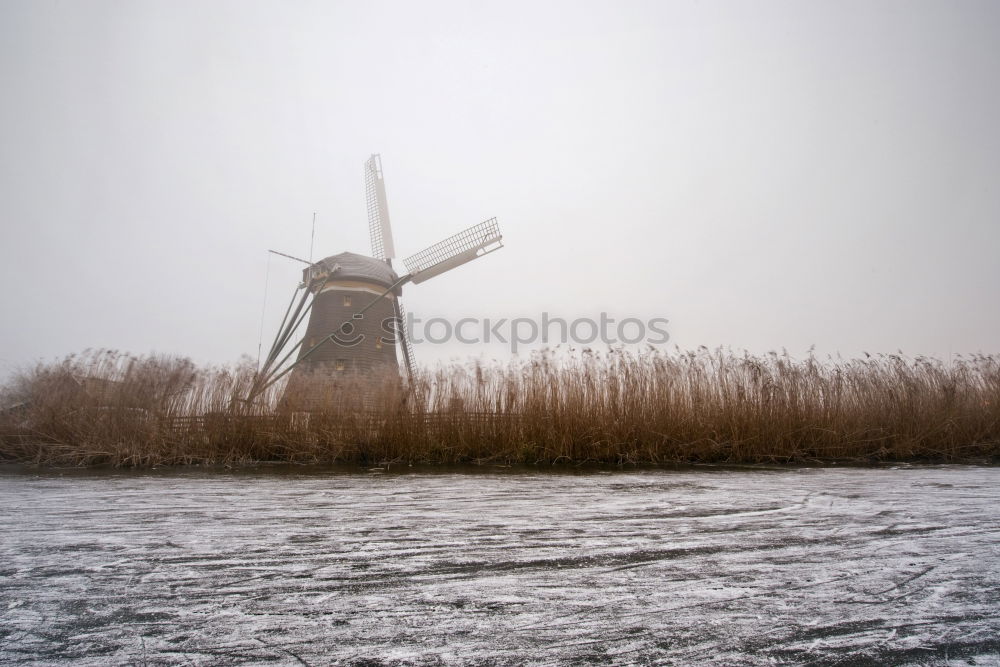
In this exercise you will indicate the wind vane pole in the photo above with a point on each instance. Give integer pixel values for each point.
(312, 238)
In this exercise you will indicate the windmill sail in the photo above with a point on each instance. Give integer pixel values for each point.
(404, 336)
(456, 250)
(378, 210)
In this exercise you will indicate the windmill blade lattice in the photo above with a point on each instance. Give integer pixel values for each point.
(456, 250)
(404, 337)
(379, 226)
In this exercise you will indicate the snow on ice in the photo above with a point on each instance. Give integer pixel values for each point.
(750, 566)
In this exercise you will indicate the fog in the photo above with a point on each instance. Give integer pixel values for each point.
(763, 175)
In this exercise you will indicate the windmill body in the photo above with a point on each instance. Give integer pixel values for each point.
(356, 319)
(342, 285)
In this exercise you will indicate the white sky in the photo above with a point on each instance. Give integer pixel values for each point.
(764, 175)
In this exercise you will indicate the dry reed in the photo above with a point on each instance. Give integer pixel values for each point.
(618, 407)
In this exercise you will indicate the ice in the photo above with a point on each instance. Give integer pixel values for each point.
(711, 566)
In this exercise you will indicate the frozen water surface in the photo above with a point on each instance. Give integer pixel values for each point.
(820, 566)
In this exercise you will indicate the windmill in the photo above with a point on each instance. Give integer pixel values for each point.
(356, 318)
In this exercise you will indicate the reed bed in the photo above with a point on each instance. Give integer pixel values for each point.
(619, 407)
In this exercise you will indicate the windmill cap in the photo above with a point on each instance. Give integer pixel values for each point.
(351, 266)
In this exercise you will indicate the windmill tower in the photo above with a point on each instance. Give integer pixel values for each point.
(356, 318)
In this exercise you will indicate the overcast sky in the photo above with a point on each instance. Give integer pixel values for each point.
(762, 174)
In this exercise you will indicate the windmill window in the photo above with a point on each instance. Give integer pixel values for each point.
(339, 364)
(347, 300)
